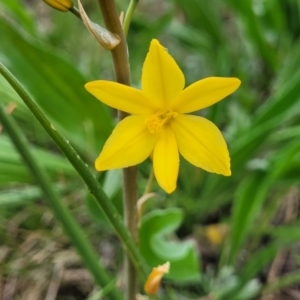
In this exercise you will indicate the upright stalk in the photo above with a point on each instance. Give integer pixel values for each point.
(83, 170)
(129, 14)
(69, 224)
(122, 73)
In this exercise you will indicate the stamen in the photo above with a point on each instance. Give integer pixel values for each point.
(156, 122)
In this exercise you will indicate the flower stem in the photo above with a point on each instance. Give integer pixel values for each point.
(69, 224)
(122, 73)
(74, 10)
(119, 53)
(128, 16)
(104, 203)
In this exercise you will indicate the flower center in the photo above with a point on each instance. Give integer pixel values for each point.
(156, 122)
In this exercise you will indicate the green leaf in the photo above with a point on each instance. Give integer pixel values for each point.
(257, 261)
(112, 188)
(203, 15)
(255, 32)
(25, 195)
(252, 193)
(286, 235)
(158, 245)
(97, 214)
(112, 182)
(57, 87)
(12, 168)
(18, 9)
(278, 109)
(248, 202)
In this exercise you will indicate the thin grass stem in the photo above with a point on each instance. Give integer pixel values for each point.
(128, 16)
(68, 222)
(83, 170)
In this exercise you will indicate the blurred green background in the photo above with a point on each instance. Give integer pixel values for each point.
(245, 227)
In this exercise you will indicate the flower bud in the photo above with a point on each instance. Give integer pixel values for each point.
(153, 282)
(61, 5)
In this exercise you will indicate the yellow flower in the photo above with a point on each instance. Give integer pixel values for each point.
(159, 124)
(153, 281)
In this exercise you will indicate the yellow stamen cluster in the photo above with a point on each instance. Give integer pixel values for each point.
(156, 122)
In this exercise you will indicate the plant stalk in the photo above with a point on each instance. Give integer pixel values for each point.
(83, 170)
(122, 73)
(71, 227)
(128, 17)
(74, 10)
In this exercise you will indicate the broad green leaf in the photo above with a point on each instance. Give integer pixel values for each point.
(112, 187)
(18, 9)
(9, 96)
(57, 87)
(10, 173)
(25, 195)
(112, 182)
(158, 245)
(285, 134)
(12, 168)
(97, 214)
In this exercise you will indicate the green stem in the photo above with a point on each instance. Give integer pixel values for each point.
(74, 10)
(104, 203)
(128, 17)
(69, 224)
(122, 73)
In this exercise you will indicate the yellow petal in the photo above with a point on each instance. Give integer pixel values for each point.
(129, 144)
(166, 160)
(204, 93)
(153, 281)
(162, 80)
(121, 97)
(201, 143)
